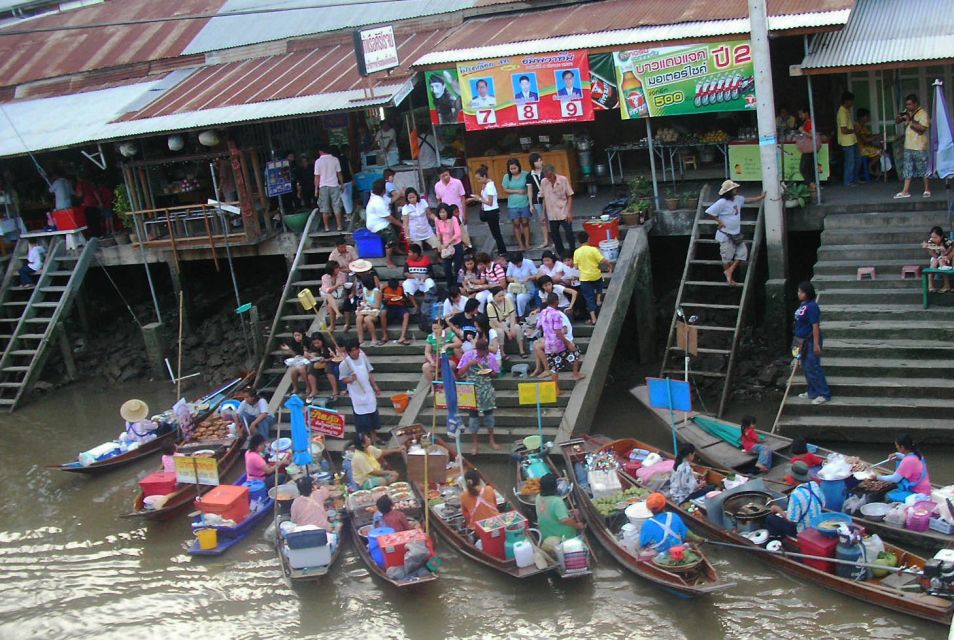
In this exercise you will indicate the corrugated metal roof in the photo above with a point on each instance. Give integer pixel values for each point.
(63, 121)
(881, 32)
(223, 32)
(326, 69)
(624, 22)
(34, 56)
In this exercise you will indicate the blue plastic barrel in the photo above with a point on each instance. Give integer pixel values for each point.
(256, 490)
(835, 492)
(373, 547)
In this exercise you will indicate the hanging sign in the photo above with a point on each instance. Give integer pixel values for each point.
(191, 470)
(443, 96)
(375, 50)
(326, 422)
(532, 89)
(745, 163)
(603, 90)
(685, 80)
(277, 178)
(536, 392)
(466, 396)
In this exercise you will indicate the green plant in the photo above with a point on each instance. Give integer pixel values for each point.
(640, 187)
(796, 192)
(121, 206)
(637, 206)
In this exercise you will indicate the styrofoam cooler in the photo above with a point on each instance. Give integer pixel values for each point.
(604, 483)
(307, 549)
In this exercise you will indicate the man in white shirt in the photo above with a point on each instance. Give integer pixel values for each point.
(356, 372)
(378, 219)
(62, 190)
(521, 271)
(727, 211)
(483, 99)
(36, 255)
(254, 412)
(328, 187)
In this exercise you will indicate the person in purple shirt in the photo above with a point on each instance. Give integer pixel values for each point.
(808, 339)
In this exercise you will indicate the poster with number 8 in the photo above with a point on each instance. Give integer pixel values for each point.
(522, 90)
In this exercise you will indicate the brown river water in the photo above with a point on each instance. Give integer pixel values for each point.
(70, 567)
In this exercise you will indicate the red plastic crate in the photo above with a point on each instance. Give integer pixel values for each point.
(813, 543)
(158, 484)
(227, 500)
(393, 545)
(72, 218)
(492, 532)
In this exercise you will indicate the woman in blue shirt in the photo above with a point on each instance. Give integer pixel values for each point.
(808, 339)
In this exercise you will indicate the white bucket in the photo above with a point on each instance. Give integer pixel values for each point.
(638, 513)
(610, 249)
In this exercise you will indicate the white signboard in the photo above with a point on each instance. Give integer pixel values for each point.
(376, 50)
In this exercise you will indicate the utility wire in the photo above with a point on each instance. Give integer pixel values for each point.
(120, 293)
(194, 16)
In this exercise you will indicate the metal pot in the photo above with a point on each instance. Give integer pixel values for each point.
(600, 170)
(746, 511)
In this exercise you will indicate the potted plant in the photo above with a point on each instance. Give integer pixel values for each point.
(692, 199)
(795, 194)
(630, 214)
(123, 211)
(643, 210)
(672, 200)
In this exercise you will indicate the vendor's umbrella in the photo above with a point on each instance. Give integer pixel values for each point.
(301, 447)
(450, 399)
(942, 139)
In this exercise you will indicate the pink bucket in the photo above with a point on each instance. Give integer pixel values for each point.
(919, 516)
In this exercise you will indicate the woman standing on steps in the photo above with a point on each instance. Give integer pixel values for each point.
(808, 341)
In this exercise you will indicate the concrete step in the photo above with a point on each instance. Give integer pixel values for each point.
(874, 406)
(885, 367)
(922, 219)
(509, 418)
(894, 234)
(924, 329)
(867, 347)
(864, 294)
(866, 254)
(889, 312)
(884, 268)
(883, 280)
(866, 386)
(865, 428)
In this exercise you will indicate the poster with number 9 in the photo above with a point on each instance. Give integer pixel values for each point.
(525, 90)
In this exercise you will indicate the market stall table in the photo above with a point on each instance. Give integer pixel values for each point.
(669, 151)
(73, 237)
(925, 275)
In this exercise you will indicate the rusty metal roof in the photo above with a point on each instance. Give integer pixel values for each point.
(883, 33)
(34, 56)
(612, 23)
(325, 69)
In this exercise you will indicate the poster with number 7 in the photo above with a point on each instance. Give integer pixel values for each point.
(525, 90)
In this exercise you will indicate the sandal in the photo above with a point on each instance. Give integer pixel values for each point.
(405, 342)
(926, 194)
(901, 194)
(381, 343)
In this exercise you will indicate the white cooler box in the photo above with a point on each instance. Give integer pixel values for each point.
(604, 483)
(308, 549)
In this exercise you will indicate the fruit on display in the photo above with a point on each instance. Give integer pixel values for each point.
(667, 135)
(715, 137)
(607, 505)
(531, 487)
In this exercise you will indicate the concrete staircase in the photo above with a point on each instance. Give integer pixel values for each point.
(888, 360)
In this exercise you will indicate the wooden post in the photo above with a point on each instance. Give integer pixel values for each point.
(257, 172)
(67, 351)
(246, 205)
(155, 351)
(179, 288)
(256, 326)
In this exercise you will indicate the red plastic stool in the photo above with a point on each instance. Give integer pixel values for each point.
(912, 270)
(866, 271)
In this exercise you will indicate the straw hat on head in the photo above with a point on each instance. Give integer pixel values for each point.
(728, 185)
(359, 266)
(800, 472)
(134, 410)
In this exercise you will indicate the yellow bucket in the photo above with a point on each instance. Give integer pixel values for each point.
(208, 538)
(307, 300)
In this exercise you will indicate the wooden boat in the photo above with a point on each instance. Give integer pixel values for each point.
(228, 537)
(311, 574)
(452, 528)
(702, 581)
(722, 455)
(209, 402)
(527, 504)
(358, 521)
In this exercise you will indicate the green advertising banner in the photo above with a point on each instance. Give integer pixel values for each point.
(685, 80)
(745, 165)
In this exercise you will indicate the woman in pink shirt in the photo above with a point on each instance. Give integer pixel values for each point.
(256, 468)
(309, 507)
(449, 237)
(911, 474)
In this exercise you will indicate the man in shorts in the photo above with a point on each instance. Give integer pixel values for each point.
(727, 211)
(378, 219)
(917, 141)
(589, 260)
(328, 187)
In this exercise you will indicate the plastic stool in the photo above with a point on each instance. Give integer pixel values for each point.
(520, 370)
(690, 160)
(866, 271)
(911, 269)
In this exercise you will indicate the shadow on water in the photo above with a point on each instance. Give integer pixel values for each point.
(73, 568)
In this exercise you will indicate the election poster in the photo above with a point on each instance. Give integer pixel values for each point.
(526, 90)
(443, 96)
(326, 421)
(685, 80)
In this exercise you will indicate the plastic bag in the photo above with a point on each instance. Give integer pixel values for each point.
(896, 515)
(853, 503)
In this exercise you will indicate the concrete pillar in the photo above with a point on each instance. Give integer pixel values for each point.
(179, 287)
(155, 350)
(645, 307)
(258, 341)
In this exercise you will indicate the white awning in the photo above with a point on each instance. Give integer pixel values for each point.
(886, 33)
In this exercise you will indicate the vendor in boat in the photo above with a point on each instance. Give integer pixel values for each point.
(391, 517)
(555, 521)
(135, 413)
(684, 484)
(665, 529)
(366, 463)
(257, 468)
(169, 456)
(805, 503)
(752, 443)
(309, 506)
(253, 411)
(800, 453)
(478, 501)
(911, 474)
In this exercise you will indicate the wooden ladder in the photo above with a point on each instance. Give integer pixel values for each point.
(40, 319)
(718, 332)
(11, 294)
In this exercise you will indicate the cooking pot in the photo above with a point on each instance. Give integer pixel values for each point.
(746, 511)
